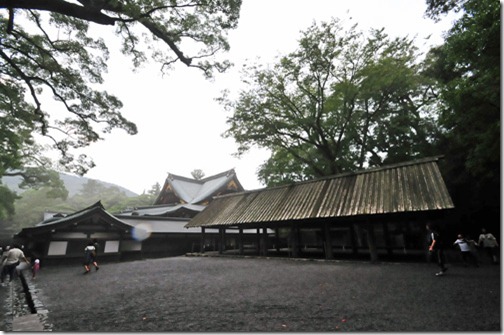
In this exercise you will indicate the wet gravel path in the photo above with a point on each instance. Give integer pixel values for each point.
(222, 294)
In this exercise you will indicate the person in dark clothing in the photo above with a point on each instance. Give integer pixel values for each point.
(90, 257)
(436, 248)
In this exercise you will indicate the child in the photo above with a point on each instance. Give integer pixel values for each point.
(465, 250)
(35, 268)
(90, 254)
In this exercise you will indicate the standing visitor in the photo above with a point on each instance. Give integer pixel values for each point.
(465, 250)
(90, 257)
(489, 243)
(35, 268)
(11, 259)
(436, 248)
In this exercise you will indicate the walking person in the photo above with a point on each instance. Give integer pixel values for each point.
(436, 248)
(489, 243)
(465, 250)
(90, 257)
(11, 259)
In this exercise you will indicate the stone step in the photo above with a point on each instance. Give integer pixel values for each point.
(27, 323)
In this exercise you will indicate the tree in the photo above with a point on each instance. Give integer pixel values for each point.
(30, 208)
(47, 52)
(341, 101)
(467, 69)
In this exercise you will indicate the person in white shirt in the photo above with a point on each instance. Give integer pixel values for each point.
(90, 254)
(11, 259)
(465, 250)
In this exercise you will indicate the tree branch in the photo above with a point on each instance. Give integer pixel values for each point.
(88, 13)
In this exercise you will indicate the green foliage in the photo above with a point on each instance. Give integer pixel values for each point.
(467, 68)
(30, 207)
(7, 203)
(51, 70)
(341, 101)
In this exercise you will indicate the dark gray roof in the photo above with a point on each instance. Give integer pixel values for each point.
(408, 187)
(96, 209)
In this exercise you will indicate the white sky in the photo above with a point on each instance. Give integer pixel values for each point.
(179, 122)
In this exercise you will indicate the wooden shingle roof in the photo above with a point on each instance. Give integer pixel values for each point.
(407, 187)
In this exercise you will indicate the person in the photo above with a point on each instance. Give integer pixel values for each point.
(35, 268)
(436, 248)
(465, 250)
(11, 259)
(90, 257)
(489, 243)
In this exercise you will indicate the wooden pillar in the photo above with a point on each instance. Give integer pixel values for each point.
(296, 241)
(258, 241)
(222, 244)
(202, 249)
(240, 240)
(327, 242)
(353, 238)
(371, 240)
(293, 245)
(386, 236)
(265, 242)
(277, 240)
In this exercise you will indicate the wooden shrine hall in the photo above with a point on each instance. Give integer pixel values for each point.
(376, 210)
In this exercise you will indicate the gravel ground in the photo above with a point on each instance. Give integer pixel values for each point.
(231, 294)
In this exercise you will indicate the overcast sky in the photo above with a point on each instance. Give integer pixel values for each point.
(179, 122)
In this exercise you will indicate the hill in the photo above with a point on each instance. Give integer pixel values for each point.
(72, 183)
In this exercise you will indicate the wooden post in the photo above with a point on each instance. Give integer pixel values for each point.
(202, 249)
(371, 242)
(293, 242)
(258, 241)
(222, 244)
(296, 248)
(265, 242)
(327, 242)
(277, 240)
(240, 240)
(386, 236)
(353, 238)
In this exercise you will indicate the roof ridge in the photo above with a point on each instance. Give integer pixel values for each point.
(200, 181)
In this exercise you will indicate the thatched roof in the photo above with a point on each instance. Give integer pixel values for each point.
(407, 187)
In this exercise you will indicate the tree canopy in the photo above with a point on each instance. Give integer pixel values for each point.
(51, 69)
(467, 70)
(343, 100)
